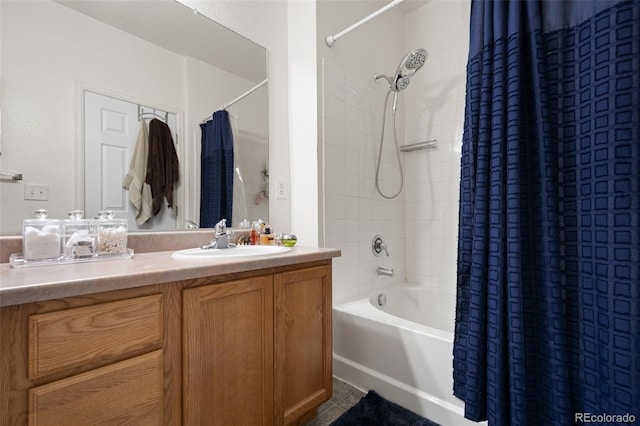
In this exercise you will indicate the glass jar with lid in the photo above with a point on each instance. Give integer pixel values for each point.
(41, 237)
(112, 234)
(79, 236)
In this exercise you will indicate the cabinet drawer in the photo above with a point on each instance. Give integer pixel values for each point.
(95, 335)
(128, 392)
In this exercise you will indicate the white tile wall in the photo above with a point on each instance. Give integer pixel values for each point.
(435, 110)
(354, 213)
(420, 226)
(431, 215)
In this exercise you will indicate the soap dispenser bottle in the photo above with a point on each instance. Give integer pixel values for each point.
(41, 238)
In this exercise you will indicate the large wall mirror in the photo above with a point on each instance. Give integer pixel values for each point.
(157, 58)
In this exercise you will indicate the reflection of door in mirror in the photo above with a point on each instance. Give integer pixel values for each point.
(110, 136)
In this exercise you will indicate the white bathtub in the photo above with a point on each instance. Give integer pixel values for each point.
(402, 350)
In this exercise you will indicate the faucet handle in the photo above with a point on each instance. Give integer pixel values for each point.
(378, 245)
(221, 228)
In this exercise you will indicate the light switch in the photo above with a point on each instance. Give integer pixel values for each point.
(34, 191)
(281, 189)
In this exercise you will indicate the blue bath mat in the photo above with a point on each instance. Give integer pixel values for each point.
(374, 410)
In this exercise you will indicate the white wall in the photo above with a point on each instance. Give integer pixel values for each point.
(303, 123)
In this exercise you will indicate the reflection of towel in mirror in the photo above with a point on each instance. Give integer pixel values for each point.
(139, 190)
(162, 166)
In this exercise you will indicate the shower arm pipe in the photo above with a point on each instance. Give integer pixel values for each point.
(332, 39)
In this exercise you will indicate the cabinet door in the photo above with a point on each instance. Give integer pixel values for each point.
(126, 393)
(302, 342)
(228, 353)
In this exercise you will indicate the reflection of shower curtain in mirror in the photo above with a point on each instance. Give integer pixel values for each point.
(240, 210)
(216, 172)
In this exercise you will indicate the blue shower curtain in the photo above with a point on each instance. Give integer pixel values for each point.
(216, 170)
(548, 308)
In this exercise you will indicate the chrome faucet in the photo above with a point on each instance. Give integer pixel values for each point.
(221, 238)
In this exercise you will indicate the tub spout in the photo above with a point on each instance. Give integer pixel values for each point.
(384, 271)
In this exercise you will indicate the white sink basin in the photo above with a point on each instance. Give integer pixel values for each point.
(234, 252)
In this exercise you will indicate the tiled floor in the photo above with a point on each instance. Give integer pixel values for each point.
(344, 397)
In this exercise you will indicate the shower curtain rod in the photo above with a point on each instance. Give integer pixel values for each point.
(239, 98)
(332, 39)
(10, 175)
(245, 94)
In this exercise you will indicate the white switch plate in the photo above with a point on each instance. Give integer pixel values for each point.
(34, 191)
(281, 189)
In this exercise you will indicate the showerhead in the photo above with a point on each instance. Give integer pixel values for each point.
(402, 82)
(411, 63)
(414, 60)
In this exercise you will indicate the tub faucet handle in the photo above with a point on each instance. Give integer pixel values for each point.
(378, 245)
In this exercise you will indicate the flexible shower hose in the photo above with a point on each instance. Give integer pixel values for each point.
(395, 138)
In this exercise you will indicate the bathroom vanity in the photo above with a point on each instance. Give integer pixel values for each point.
(154, 340)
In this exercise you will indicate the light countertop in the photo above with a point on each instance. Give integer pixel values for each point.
(37, 283)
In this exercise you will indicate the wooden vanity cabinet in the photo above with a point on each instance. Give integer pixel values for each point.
(125, 389)
(258, 351)
(252, 348)
(96, 359)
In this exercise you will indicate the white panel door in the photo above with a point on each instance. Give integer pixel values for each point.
(110, 132)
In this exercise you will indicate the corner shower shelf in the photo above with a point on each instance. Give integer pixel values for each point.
(433, 143)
